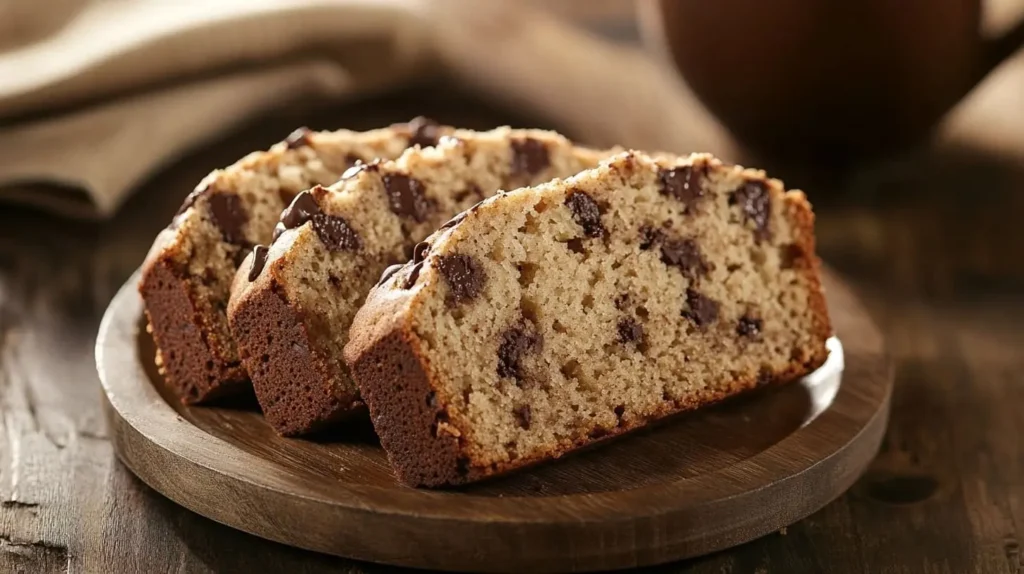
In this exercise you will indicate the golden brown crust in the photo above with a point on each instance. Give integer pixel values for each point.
(192, 364)
(185, 304)
(402, 400)
(280, 349)
(450, 173)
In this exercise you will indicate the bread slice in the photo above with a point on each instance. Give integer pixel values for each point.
(187, 275)
(292, 304)
(548, 318)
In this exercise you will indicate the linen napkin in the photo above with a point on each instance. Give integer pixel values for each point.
(97, 94)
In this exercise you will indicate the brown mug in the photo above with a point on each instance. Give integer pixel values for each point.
(824, 78)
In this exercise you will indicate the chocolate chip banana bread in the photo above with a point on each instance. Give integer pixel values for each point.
(292, 303)
(187, 275)
(548, 318)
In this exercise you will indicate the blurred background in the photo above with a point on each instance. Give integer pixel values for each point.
(903, 121)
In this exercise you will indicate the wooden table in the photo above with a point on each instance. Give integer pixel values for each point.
(934, 242)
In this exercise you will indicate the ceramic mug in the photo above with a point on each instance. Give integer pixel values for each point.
(827, 78)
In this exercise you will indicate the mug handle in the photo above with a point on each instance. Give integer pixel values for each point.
(998, 49)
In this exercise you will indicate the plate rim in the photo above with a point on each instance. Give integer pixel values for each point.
(771, 469)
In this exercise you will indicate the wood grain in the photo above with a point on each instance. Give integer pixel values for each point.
(932, 242)
(699, 484)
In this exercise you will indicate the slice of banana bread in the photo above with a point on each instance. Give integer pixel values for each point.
(291, 304)
(187, 275)
(548, 318)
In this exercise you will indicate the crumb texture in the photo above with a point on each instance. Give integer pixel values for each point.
(332, 245)
(554, 316)
(231, 211)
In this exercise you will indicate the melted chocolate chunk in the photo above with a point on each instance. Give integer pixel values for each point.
(407, 196)
(229, 216)
(522, 415)
(419, 253)
(464, 275)
(702, 310)
(423, 132)
(598, 433)
(630, 331)
(301, 210)
(335, 233)
(748, 327)
(755, 202)
(586, 213)
(388, 273)
(454, 221)
(413, 276)
(529, 156)
(683, 184)
(576, 245)
(684, 254)
(516, 342)
(259, 261)
(298, 138)
(190, 199)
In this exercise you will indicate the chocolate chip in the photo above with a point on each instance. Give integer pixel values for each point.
(684, 254)
(413, 276)
(748, 327)
(575, 245)
(465, 277)
(755, 202)
(649, 236)
(335, 233)
(229, 216)
(190, 199)
(301, 210)
(586, 213)
(454, 221)
(388, 273)
(423, 132)
(523, 415)
(407, 196)
(598, 432)
(529, 156)
(790, 255)
(683, 184)
(419, 253)
(516, 342)
(298, 138)
(630, 331)
(259, 261)
(702, 310)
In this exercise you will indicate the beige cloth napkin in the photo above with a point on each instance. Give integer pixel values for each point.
(97, 94)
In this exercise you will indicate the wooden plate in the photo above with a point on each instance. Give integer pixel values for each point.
(701, 482)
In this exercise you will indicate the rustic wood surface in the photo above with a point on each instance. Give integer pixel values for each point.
(933, 241)
(705, 482)
(934, 244)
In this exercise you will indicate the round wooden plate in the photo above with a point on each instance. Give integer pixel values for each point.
(701, 482)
